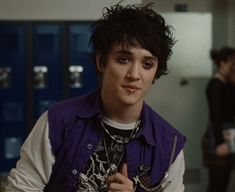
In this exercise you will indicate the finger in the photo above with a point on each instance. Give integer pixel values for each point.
(116, 178)
(119, 178)
(124, 170)
(120, 187)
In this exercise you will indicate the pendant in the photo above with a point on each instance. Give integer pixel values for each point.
(112, 169)
(103, 187)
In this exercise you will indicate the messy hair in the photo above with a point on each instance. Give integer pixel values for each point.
(133, 25)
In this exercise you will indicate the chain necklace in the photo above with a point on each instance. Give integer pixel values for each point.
(112, 166)
(119, 139)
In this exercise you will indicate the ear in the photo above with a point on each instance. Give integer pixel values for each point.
(99, 66)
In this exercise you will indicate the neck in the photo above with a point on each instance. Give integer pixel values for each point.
(122, 114)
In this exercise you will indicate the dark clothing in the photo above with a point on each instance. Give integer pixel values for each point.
(221, 104)
(219, 178)
(74, 136)
(217, 109)
(230, 103)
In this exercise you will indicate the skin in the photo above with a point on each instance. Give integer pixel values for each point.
(224, 68)
(231, 74)
(120, 181)
(126, 78)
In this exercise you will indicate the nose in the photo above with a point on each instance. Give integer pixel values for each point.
(133, 72)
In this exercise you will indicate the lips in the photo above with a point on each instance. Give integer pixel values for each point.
(131, 87)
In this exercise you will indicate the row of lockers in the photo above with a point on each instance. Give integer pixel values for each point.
(40, 64)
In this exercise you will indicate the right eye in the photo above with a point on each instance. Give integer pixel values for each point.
(122, 60)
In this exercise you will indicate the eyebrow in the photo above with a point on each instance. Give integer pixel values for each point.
(123, 51)
(127, 52)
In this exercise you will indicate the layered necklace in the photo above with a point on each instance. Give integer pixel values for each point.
(120, 139)
(116, 145)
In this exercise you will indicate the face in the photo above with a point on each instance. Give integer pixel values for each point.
(231, 75)
(128, 75)
(229, 68)
(225, 66)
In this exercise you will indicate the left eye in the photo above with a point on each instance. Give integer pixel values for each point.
(148, 65)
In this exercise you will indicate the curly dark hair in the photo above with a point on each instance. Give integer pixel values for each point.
(133, 25)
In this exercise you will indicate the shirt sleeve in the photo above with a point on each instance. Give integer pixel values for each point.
(34, 167)
(175, 175)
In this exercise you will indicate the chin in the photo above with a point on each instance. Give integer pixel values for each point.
(131, 101)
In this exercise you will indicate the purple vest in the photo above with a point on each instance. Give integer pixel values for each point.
(74, 135)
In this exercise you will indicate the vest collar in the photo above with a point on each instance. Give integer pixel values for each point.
(147, 131)
(90, 105)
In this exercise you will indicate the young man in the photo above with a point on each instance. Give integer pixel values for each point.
(109, 140)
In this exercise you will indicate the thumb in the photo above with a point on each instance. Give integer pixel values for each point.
(124, 170)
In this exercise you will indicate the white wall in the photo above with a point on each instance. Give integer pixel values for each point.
(231, 39)
(223, 16)
(54, 9)
(193, 43)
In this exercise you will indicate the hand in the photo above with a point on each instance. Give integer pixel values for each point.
(120, 181)
(222, 150)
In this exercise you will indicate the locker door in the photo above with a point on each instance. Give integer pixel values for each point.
(82, 71)
(13, 120)
(47, 65)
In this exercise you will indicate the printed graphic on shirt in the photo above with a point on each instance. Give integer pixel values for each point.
(107, 158)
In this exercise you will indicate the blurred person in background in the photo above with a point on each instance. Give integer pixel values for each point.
(219, 158)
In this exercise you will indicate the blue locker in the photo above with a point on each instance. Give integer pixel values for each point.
(13, 105)
(47, 65)
(82, 71)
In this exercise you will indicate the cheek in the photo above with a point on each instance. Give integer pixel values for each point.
(152, 75)
(117, 71)
(149, 79)
(112, 74)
